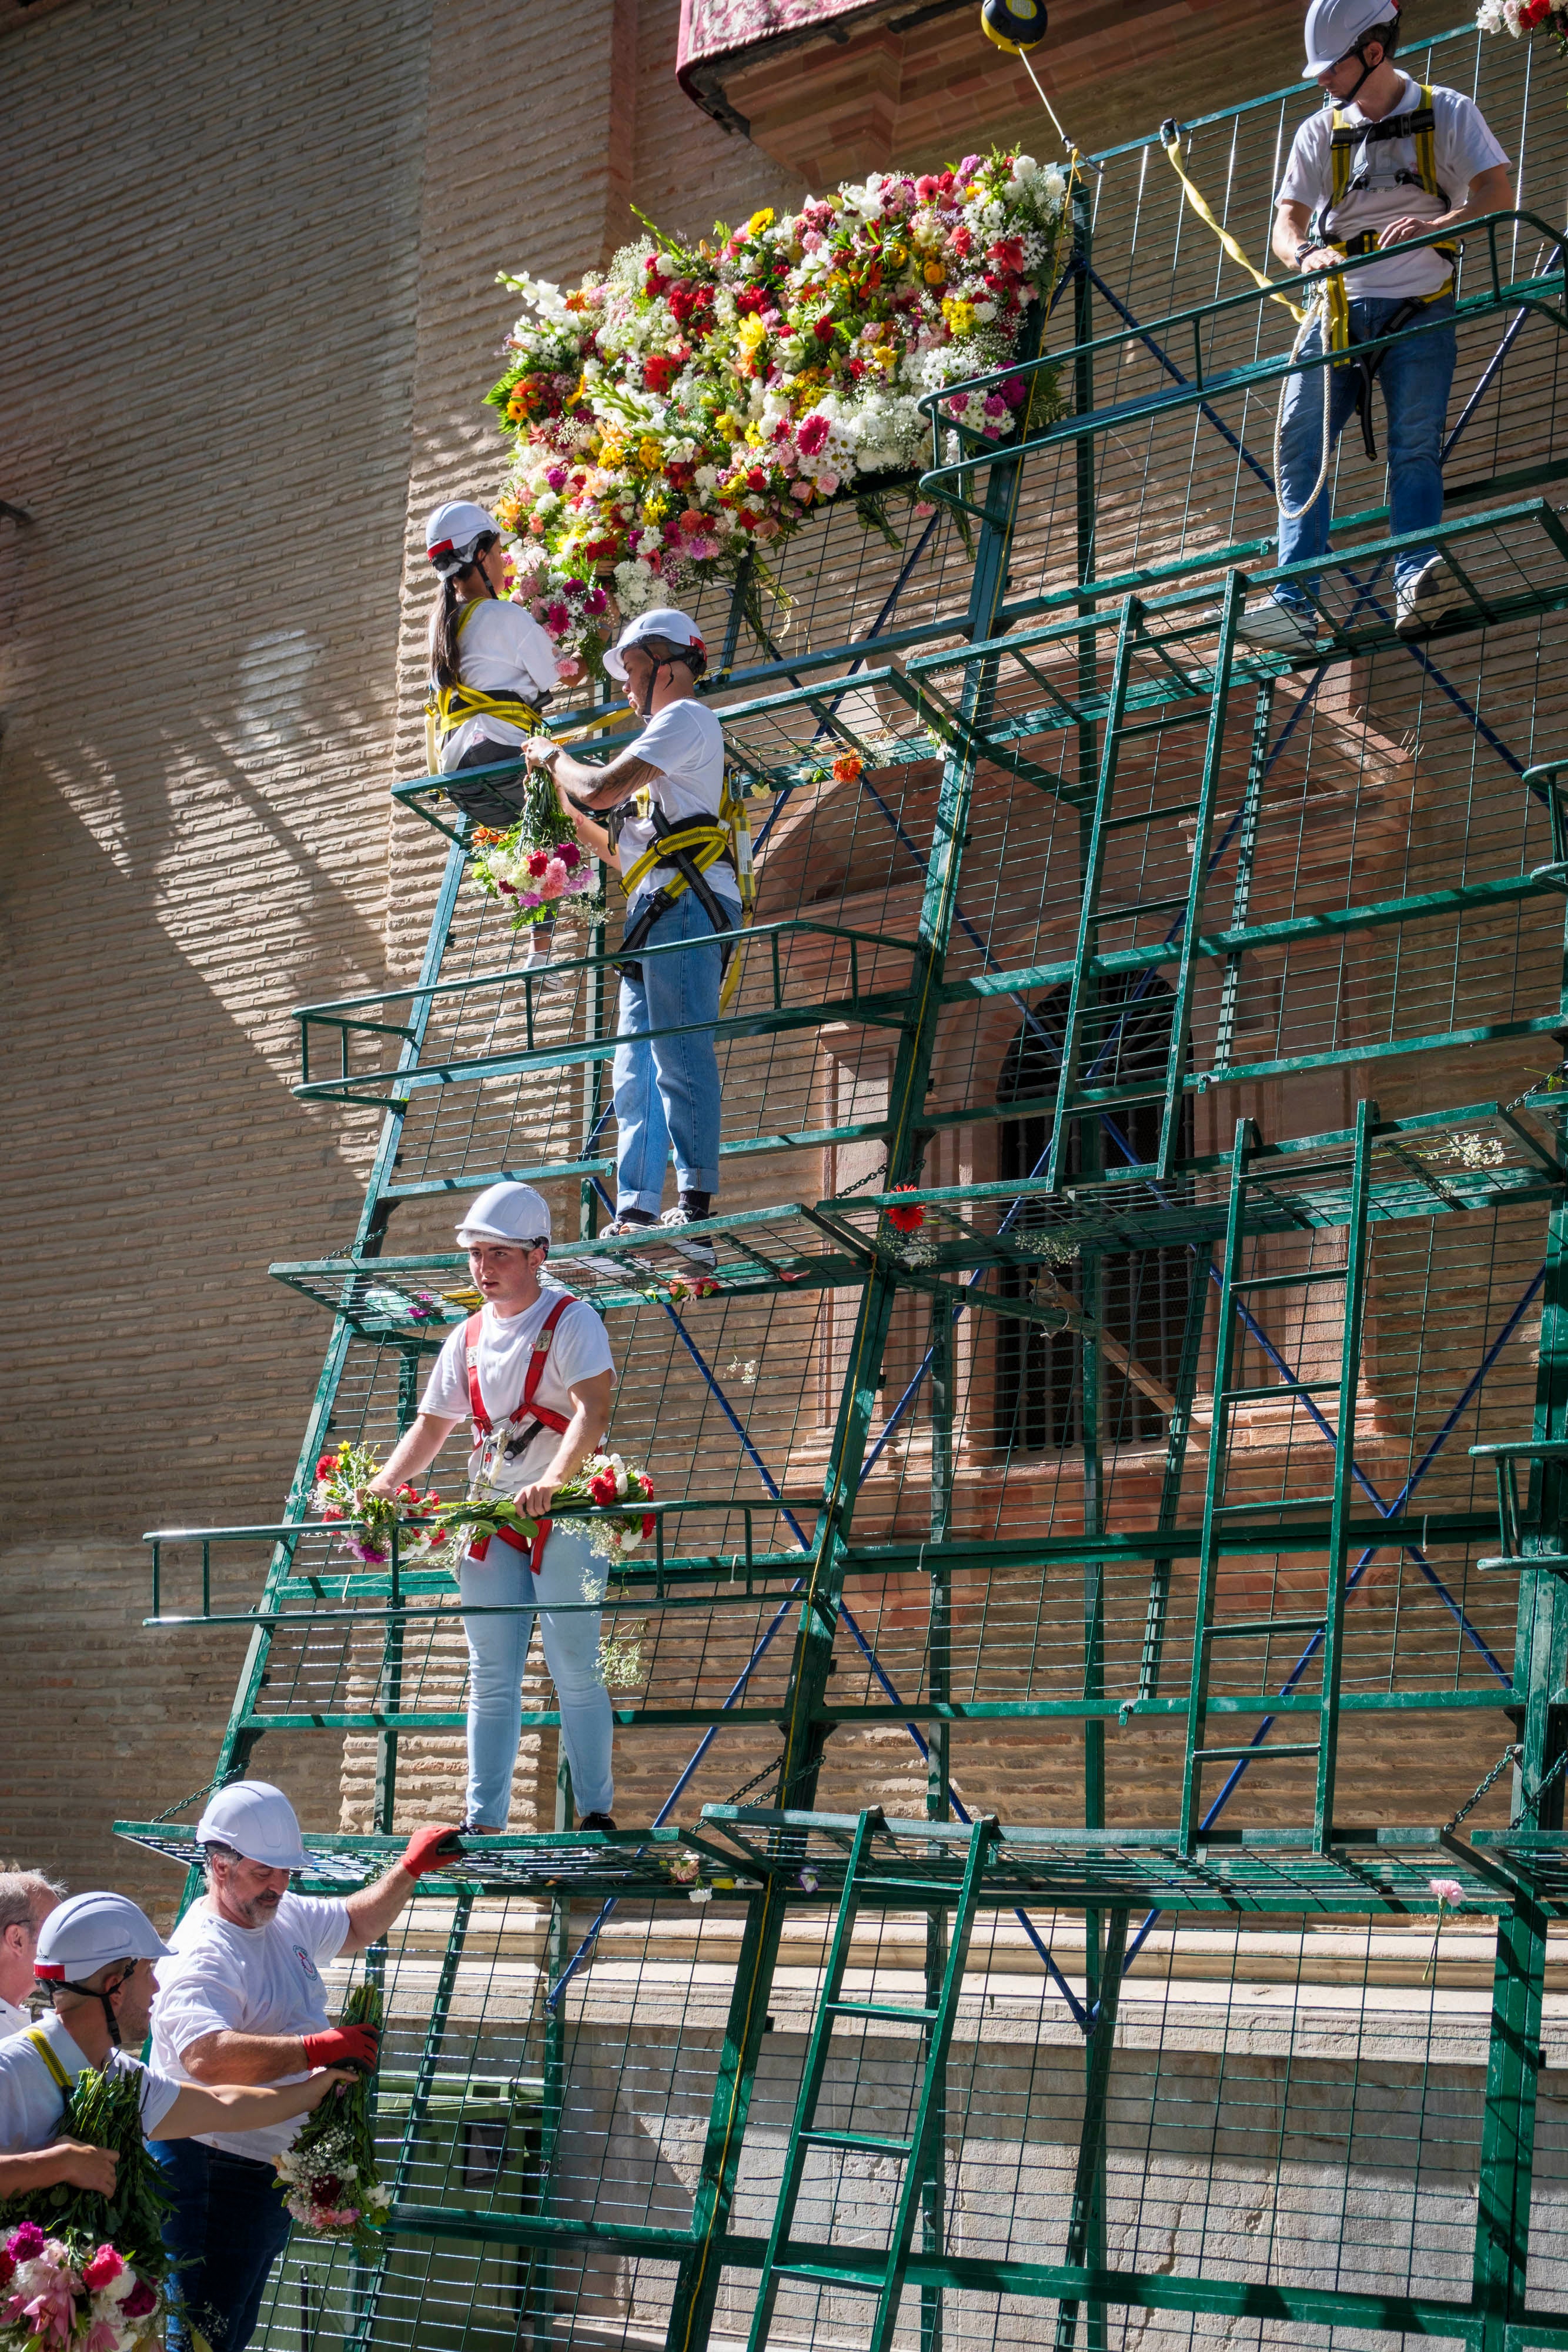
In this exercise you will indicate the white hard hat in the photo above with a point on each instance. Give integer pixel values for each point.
(453, 533)
(89, 1932)
(511, 1213)
(663, 621)
(257, 1821)
(1334, 26)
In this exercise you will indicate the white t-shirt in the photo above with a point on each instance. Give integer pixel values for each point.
(686, 743)
(12, 2019)
(1462, 146)
(32, 2102)
(229, 1979)
(501, 649)
(577, 1349)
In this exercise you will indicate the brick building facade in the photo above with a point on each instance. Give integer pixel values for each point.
(251, 315)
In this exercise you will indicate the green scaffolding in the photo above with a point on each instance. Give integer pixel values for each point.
(1131, 1403)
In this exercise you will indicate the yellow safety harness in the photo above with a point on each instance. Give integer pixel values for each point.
(36, 2036)
(697, 842)
(448, 707)
(1417, 124)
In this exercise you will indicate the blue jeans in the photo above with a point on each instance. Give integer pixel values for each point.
(227, 2228)
(1413, 379)
(666, 1089)
(497, 1651)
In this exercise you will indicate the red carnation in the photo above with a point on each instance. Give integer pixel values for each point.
(602, 1489)
(647, 1525)
(909, 1220)
(326, 1466)
(538, 860)
(570, 856)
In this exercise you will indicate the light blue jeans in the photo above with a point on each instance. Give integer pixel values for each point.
(497, 1651)
(666, 1089)
(1414, 380)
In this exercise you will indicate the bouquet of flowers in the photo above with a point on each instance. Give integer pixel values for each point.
(603, 1478)
(328, 2177)
(343, 1483)
(693, 404)
(536, 864)
(80, 2268)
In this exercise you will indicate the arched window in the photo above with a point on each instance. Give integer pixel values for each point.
(1143, 1293)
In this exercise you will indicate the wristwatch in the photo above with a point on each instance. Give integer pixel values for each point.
(1308, 244)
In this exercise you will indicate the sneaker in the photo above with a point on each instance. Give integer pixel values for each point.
(596, 1821)
(699, 1250)
(628, 1229)
(1276, 627)
(541, 970)
(1431, 595)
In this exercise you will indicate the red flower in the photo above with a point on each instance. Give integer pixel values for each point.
(538, 860)
(813, 432)
(961, 242)
(142, 2298)
(570, 856)
(909, 1220)
(7, 2267)
(326, 1466)
(602, 1489)
(752, 298)
(647, 1525)
(847, 768)
(660, 370)
(756, 477)
(824, 328)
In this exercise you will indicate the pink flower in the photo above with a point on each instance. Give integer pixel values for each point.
(334, 2217)
(142, 2298)
(702, 551)
(554, 879)
(557, 478)
(996, 405)
(594, 601)
(800, 489)
(827, 484)
(1447, 1890)
(925, 188)
(25, 2242)
(813, 431)
(101, 2337)
(53, 2309)
(556, 618)
(923, 509)
(105, 2265)
(570, 855)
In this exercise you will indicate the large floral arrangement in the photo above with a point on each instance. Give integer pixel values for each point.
(328, 2177)
(342, 1492)
(537, 865)
(80, 2268)
(1517, 17)
(693, 406)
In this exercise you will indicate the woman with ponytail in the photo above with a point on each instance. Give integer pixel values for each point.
(492, 670)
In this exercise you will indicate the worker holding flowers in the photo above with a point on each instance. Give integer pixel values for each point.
(492, 670)
(532, 1372)
(678, 873)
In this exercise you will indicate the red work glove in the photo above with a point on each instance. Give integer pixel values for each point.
(343, 2045)
(428, 1849)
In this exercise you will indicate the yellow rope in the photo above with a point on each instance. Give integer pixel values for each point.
(1200, 202)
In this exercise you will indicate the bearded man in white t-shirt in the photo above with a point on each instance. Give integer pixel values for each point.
(532, 1373)
(240, 2000)
(666, 1072)
(1391, 146)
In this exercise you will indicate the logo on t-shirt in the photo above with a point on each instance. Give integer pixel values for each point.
(306, 1964)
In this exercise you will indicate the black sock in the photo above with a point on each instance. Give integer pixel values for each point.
(696, 1204)
(635, 1217)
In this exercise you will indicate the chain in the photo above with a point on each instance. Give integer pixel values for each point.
(1531, 1804)
(756, 1782)
(218, 1782)
(1512, 1755)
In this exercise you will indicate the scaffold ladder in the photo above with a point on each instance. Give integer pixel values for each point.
(1224, 1515)
(916, 2153)
(1157, 685)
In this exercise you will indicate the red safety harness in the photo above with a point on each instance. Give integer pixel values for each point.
(522, 1413)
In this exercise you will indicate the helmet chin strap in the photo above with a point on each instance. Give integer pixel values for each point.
(91, 1992)
(1367, 70)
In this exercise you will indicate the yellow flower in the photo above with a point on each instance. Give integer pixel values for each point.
(895, 256)
(612, 449)
(836, 281)
(650, 454)
(728, 425)
(656, 508)
(935, 274)
(760, 221)
(752, 332)
(960, 316)
(754, 434)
